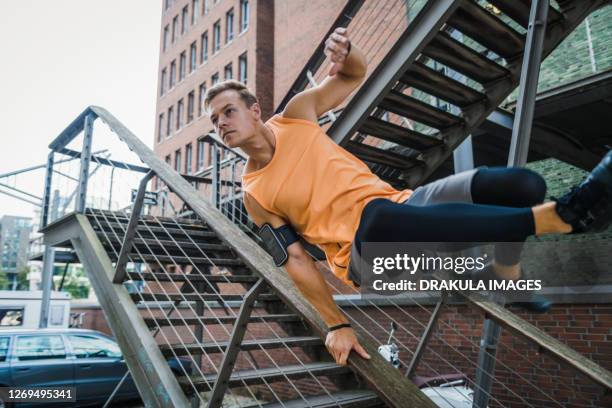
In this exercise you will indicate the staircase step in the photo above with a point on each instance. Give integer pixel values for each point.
(193, 297)
(220, 346)
(146, 219)
(488, 30)
(119, 230)
(518, 10)
(252, 377)
(443, 48)
(398, 134)
(180, 260)
(208, 320)
(193, 277)
(380, 156)
(344, 399)
(169, 245)
(412, 108)
(434, 83)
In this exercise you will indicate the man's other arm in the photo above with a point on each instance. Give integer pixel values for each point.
(347, 72)
(304, 273)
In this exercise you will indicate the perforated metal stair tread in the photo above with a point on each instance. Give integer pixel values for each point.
(398, 134)
(412, 108)
(193, 277)
(168, 244)
(488, 30)
(251, 377)
(463, 59)
(518, 10)
(181, 260)
(344, 399)
(426, 79)
(380, 156)
(221, 346)
(209, 320)
(148, 230)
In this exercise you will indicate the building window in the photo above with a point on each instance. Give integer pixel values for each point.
(242, 68)
(200, 159)
(193, 57)
(204, 47)
(184, 20)
(244, 15)
(214, 79)
(162, 85)
(188, 154)
(180, 111)
(167, 4)
(160, 127)
(165, 38)
(172, 74)
(170, 122)
(174, 28)
(227, 71)
(229, 26)
(182, 65)
(177, 160)
(201, 95)
(205, 7)
(168, 159)
(195, 9)
(216, 36)
(190, 103)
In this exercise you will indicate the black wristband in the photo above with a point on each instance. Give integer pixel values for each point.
(338, 327)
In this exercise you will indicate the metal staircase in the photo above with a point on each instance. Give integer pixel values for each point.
(392, 124)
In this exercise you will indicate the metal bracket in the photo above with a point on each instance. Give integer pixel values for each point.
(128, 240)
(233, 346)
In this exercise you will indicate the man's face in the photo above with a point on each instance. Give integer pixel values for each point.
(233, 121)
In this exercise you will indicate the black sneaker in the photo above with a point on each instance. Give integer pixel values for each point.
(588, 206)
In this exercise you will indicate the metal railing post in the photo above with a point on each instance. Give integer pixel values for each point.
(433, 319)
(85, 160)
(216, 177)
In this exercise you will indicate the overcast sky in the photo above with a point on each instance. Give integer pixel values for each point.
(58, 56)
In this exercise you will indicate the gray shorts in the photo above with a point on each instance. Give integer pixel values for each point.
(451, 189)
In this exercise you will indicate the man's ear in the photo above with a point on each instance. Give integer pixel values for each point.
(255, 111)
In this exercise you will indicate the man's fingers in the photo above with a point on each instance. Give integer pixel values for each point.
(343, 358)
(340, 30)
(361, 351)
(335, 68)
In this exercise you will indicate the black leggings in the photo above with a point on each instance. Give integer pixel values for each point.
(501, 212)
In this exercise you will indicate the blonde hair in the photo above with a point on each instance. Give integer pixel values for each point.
(247, 96)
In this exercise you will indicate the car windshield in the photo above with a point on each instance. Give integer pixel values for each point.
(85, 346)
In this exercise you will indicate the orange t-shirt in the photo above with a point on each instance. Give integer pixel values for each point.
(318, 187)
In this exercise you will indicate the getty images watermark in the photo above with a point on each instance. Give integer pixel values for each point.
(569, 267)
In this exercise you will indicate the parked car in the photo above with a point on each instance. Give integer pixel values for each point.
(87, 360)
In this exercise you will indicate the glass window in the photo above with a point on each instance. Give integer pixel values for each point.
(227, 71)
(165, 39)
(174, 28)
(200, 159)
(204, 47)
(190, 106)
(242, 68)
(162, 85)
(229, 26)
(4, 346)
(184, 20)
(201, 95)
(11, 316)
(177, 160)
(180, 111)
(170, 122)
(182, 65)
(172, 74)
(39, 347)
(160, 127)
(205, 7)
(85, 346)
(215, 78)
(217, 36)
(195, 9)
(188, 154)
(244, 15)
(193, 56)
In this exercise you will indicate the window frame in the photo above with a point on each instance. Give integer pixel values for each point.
(229, 26)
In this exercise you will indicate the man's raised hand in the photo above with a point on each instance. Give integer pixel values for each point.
(337, 47)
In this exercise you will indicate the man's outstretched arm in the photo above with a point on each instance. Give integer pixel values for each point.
(304, 273)
(348, 70)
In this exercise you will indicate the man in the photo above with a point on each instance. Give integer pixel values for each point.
(296, 178)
